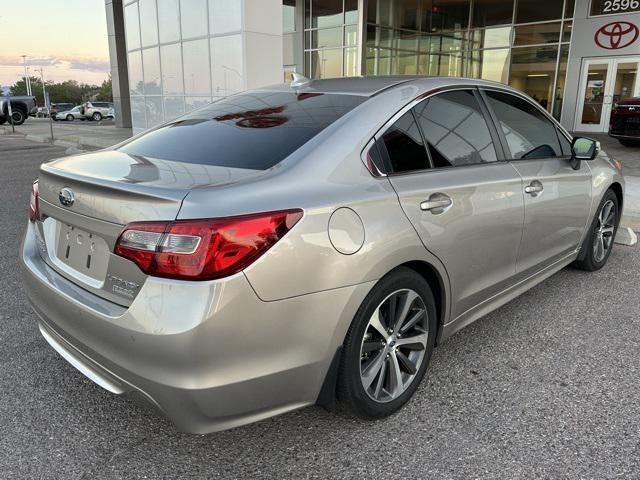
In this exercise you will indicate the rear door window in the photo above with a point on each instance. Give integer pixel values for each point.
(455, 129)
(253, 130)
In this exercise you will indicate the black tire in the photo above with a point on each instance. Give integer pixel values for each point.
(351, 392)
(3, 120)
(18, 117)
(96, 117)
(588, 259)
(69, 118)
(627, 142)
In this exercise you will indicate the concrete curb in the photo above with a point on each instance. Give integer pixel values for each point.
(38, 138)
(79, 144)
(626, 236)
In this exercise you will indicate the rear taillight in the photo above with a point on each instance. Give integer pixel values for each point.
(203, 249)
(34, 203)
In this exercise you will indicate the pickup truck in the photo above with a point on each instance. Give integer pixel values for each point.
(21, 108)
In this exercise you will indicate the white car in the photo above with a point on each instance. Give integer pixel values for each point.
(97, 110)
(70, 115)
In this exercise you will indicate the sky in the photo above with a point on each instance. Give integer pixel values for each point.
(68, 38)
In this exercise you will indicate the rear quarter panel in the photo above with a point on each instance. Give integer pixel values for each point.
(325, 174)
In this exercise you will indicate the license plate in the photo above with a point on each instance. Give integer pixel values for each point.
(82, 251)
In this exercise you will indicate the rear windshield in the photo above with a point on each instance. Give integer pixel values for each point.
(253, 130)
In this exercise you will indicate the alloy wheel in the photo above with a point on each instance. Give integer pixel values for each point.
(394, 345)
(603, 233)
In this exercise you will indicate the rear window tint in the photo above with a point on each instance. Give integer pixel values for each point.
(253, 130)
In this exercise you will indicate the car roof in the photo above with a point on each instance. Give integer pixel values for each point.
(373, 85)
(361, 86)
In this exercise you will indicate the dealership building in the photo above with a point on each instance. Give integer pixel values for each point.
(577, 58)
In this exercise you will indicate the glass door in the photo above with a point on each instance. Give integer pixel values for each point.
(626, 82)
(591, 109)
(605, 82)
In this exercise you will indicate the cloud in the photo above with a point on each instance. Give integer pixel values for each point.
(97, 65)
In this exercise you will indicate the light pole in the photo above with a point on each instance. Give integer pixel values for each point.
(46, 101)
(29, 81)
(26, 75)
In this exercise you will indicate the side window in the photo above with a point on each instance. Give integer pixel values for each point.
(529, 133)
(405, 146)
(455, 129)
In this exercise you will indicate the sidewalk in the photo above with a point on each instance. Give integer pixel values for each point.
(75, 136)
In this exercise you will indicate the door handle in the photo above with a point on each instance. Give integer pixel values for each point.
(534, 188)
(437, 203)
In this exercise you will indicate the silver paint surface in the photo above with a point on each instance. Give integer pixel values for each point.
(178, 342)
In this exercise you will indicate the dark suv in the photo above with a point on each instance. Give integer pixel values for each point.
(625, 122)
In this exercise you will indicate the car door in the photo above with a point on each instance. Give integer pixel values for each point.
(466, 205)
(557, 198)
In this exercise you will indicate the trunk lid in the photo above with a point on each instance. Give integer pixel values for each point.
(86, 200)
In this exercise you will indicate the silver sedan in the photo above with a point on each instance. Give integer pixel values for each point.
(69, 115)
(308, 243)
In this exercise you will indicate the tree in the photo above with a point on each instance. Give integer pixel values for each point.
(20, 88)
(106, 93)
(68, 91)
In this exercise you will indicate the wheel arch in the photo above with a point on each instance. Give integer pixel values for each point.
(436, 283)
(327, 395)
(617, 189)
(20, 106)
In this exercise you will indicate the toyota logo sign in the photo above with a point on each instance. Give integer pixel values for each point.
(615, 35)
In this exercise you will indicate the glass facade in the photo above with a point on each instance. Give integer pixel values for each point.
(184, 53)
(523, 43)
(330, 38)
(181, 55)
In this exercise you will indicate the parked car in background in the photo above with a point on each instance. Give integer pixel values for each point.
(97, 110)
(69, 115)
(296, 244)
(60, 107)
(42, 112)
(21, 108)
(625, 122)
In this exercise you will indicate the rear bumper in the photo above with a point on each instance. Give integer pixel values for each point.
(624, 126)
(209, 355)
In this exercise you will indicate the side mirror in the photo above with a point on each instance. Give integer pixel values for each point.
(583, 148)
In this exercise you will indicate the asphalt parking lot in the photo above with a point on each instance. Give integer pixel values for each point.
(545, 387)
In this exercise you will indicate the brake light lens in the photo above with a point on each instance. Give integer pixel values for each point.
(203, 249)
(34, 203)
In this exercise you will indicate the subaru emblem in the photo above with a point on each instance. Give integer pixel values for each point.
(66, 197)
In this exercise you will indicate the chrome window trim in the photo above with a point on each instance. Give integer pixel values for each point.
(437, 90)
(371, 167)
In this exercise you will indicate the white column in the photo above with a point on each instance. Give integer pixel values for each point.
(262, 42)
